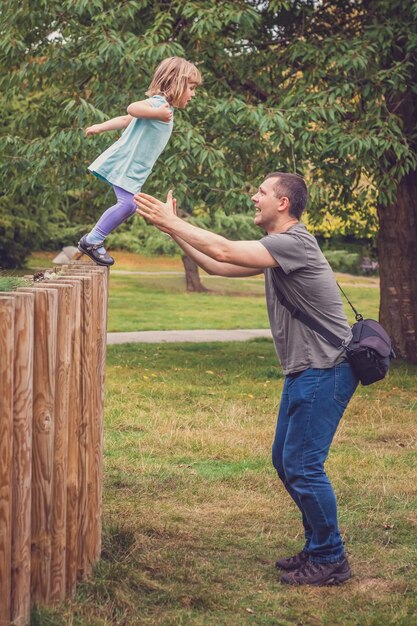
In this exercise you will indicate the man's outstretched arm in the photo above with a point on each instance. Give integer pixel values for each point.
(246, 254)
(213, 267)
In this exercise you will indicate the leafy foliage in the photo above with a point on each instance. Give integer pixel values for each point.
(342, 261)
(317, 88)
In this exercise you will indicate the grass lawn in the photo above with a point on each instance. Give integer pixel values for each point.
(160, 302)
(194, 516)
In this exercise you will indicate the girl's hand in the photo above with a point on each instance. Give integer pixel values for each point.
(95, 129)
(163, 113)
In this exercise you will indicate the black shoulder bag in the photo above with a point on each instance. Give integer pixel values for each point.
(369, 351)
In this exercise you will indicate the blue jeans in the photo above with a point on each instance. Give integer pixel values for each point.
(312, 404)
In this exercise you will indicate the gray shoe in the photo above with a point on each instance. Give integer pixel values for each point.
(292, 562)
(90, 250)
(319, 574)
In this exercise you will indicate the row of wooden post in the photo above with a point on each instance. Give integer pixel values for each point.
(52, 365)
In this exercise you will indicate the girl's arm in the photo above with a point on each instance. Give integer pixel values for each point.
(116, 123)
(144, 109)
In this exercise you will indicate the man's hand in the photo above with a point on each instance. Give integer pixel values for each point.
(163, 113)
(95, 129)
(160, 214)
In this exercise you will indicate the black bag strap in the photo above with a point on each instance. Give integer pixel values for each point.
(303, 317)
(358, 316)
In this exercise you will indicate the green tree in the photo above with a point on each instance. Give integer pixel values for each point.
(348, 93)
(326, 89)
(67, 64)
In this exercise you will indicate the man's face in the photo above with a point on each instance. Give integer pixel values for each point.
(267, 205)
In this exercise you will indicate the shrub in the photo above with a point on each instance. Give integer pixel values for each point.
(342, 261)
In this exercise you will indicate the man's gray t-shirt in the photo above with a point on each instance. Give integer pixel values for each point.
(307, 281)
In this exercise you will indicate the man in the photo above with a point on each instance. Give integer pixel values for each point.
(319, 382)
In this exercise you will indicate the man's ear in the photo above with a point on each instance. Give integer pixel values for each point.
(284, 203)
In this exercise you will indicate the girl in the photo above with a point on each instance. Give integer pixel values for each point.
(127, 163)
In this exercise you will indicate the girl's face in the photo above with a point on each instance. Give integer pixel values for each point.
(187, 94)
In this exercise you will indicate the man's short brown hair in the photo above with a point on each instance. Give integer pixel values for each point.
(292, 186)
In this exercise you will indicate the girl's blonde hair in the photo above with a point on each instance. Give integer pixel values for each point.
(171, 78)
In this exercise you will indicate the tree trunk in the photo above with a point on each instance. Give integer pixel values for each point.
(192, 277)
(397, 253)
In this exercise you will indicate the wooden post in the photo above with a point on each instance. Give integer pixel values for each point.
(22, 458)
(66, 310)
(74, 413)
(7, 312)
(86, 416)
(44, 371)
(62, 392)
(103, 300)
(52, 366)
(100, 282)
(94, 456)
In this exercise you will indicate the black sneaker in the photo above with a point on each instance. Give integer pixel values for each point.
(292, 562)
(90, 249)
(319, 574)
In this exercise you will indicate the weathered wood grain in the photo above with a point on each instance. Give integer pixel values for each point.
(7, 313)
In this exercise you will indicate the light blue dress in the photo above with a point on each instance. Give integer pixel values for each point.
(129, 161)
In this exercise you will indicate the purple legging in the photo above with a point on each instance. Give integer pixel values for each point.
(116, 214)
